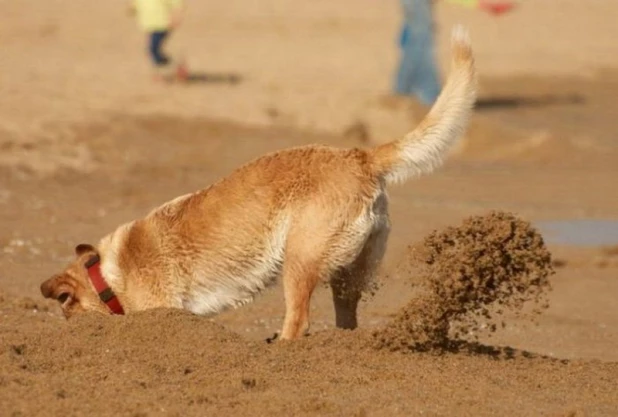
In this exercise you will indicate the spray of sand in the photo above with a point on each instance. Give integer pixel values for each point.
(470, 276)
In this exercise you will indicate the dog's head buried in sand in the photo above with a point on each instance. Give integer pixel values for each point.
(302, 215)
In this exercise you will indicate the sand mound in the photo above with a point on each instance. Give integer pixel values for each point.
(114, 338)
(164, 362)
(470, 275)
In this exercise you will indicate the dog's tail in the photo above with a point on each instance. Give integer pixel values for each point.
(422, 150)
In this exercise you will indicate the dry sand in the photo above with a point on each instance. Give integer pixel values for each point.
(88, 142)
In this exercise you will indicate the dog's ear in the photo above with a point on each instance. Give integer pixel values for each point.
(59, 287)
(83, 248)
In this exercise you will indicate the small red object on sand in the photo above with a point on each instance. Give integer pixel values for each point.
(182, 72)
(496, 7)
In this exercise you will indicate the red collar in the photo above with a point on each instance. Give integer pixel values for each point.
(93, 266)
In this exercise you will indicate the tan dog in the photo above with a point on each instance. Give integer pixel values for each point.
(303, 215)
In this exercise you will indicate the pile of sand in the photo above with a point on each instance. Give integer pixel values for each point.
(469, 276)
(165, 362)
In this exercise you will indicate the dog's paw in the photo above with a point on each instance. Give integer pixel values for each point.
(271, 339)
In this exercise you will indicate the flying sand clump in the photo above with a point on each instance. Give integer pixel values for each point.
(469, 275)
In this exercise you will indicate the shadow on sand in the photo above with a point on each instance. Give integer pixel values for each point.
(479, 349)
(506, 102)
(196, 77)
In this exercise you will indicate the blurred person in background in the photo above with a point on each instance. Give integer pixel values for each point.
(159, 18)
(418, 73)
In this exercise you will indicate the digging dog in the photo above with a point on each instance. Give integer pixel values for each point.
(301, 215)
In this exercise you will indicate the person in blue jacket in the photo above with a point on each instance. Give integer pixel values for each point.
(417, 74)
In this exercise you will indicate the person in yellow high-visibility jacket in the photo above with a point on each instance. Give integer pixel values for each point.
(158, 18)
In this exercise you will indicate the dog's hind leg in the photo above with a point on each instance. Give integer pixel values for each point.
(349, 283)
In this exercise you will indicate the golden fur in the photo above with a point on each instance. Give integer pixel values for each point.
(302, 215)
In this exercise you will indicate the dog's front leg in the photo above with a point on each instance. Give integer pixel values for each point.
(299, 281)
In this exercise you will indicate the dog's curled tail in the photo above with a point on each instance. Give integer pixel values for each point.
(422, 150)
